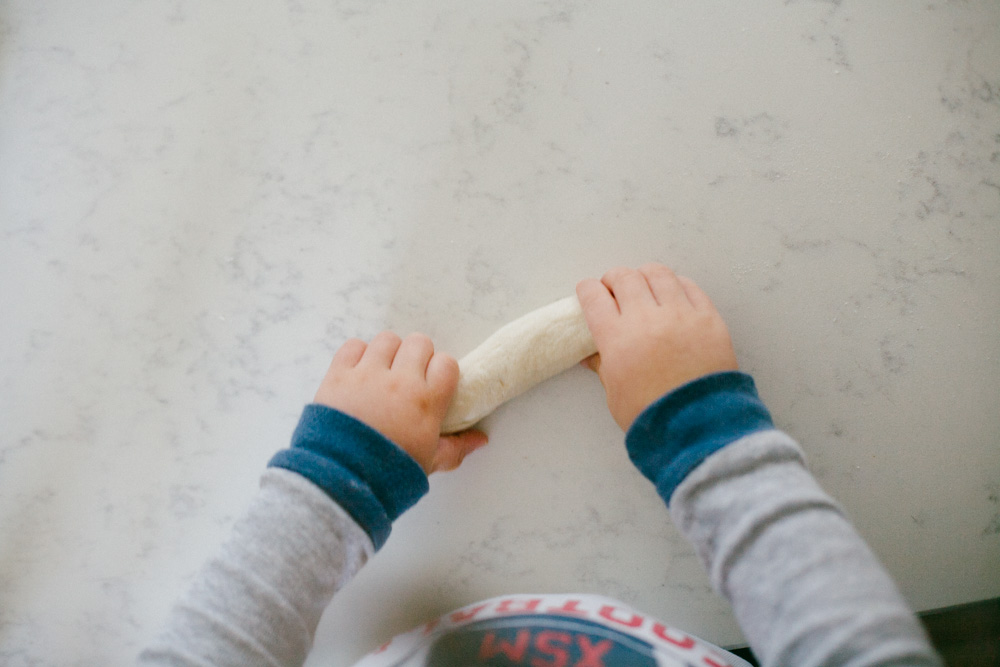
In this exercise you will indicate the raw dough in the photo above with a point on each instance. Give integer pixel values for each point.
(529, 350)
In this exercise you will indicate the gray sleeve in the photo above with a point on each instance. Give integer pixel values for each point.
(805, 588)
(259, 601)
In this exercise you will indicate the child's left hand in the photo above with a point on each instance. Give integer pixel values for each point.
(402, 389)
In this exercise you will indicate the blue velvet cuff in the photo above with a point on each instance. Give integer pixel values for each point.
(371, 478)
(671, 437)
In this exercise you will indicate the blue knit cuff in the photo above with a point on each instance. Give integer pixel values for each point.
(371, 478)
(671, 437)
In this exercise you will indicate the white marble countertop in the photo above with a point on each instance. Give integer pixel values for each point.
(200, 201)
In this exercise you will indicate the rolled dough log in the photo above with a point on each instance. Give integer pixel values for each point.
(529, 350)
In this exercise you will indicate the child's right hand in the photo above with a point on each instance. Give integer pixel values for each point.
(654, 331)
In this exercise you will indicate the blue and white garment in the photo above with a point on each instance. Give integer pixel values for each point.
(548, 631)
(804, 587)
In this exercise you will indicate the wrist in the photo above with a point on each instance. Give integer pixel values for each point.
(678, 431)
(360, 469)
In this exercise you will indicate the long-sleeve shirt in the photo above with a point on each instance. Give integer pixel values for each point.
(805, 588)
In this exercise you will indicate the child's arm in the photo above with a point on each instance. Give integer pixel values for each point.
(325, 505)
(804, 586)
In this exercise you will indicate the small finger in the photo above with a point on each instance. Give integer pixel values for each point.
(629, 287)
(382, 349)
(349, 354)
(663, 283)
(414, 353)
(695, 294)
(599, 307)
(442, 376)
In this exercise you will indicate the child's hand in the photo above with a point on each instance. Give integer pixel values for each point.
(402, 389)
(654, 331)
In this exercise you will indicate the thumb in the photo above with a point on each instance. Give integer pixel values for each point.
(452, 449)
(593, 362)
